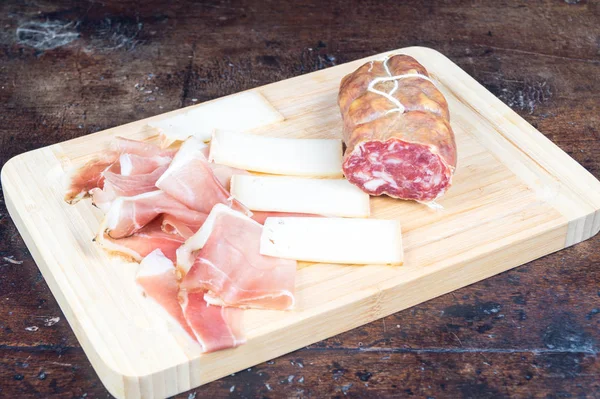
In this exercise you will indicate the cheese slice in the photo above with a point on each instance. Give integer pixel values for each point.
(238, 112)
(330, 197)
(333, 240)
(277, 155)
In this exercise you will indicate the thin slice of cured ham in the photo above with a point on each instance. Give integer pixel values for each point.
(132, 164)
(143, 148)
(129, 214)
(223, 259)
(118, 185)
(191, 180)
(157, 277)
(214, 327)
(91, 175)
(158, 234)
(173, 226)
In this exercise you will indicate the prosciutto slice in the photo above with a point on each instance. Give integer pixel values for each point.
(157, 277)
(119, 185)
(214, 327)
(91, 175)
(223, 260)
(128, 215)
(158, 234)
(173, 226)
(127, 146)
(132, 164)
(190, 179)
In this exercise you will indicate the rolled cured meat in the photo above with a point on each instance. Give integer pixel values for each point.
(397, 131)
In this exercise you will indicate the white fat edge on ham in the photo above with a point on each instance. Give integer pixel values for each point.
(333, 240)
(113, 246)
(185, 253)
(213, 300)
(155, 264)
(126, 164)
(277, 155)
(330, 197)
(250, 110)
(113, 215)
(190, 149)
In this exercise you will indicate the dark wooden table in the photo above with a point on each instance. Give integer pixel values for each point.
(69, 68)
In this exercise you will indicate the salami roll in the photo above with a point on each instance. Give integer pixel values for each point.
(397, 131)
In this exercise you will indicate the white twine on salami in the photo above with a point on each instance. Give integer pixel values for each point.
(433, 205)
(393, 78)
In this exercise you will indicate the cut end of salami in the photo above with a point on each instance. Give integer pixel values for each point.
(399, 169)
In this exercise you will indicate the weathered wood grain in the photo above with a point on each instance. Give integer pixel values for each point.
(540, 57)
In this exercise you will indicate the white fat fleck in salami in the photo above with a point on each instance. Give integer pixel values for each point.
(373, 185)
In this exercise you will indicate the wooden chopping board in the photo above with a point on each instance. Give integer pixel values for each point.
(516, 197)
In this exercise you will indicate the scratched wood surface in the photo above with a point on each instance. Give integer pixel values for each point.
(530, 332)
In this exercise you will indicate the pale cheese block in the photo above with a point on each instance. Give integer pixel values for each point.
(333, 240)
(238, 112)
(277, 155)
(330, 197)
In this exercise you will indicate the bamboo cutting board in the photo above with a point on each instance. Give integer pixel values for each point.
(516, 197)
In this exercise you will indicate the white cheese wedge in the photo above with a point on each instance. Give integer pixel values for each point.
(333, 240)
(277, 155)
(238, 112)
(330, 197)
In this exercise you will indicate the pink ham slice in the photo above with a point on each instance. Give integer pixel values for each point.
(214, 327)
(223, 259)
(158, 234)
(173, 226)
(190, 179)
(157, 277)
(90, 176)
(132, 164)
(118, 185)
(128, 215)
(142, 148)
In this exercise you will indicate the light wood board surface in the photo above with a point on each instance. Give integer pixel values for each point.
(516, 197)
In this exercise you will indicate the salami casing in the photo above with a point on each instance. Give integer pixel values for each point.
(397, 130)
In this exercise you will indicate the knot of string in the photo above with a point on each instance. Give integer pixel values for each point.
(393, 78)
